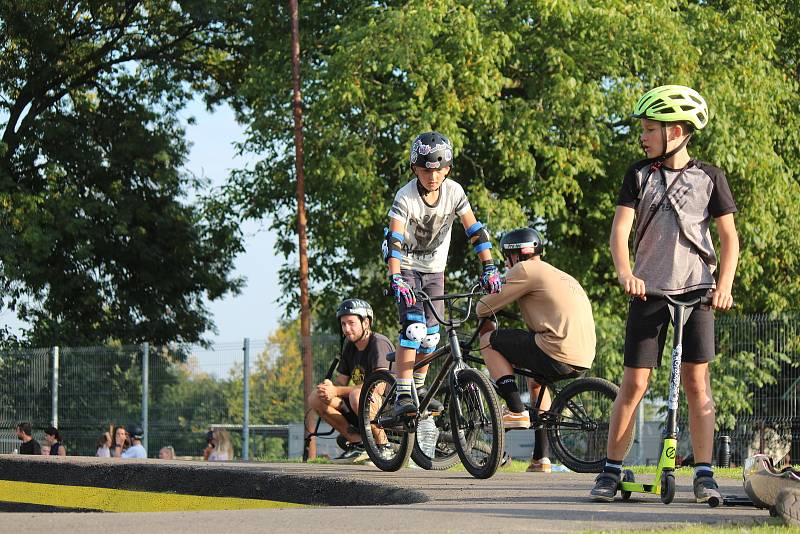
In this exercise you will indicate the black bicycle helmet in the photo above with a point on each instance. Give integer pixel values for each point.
(355, 307)
(136, 432)
(523, 241)
(431, 150)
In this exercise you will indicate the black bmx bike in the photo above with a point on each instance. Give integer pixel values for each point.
(468, 427)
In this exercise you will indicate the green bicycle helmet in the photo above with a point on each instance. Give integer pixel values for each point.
(673, 103)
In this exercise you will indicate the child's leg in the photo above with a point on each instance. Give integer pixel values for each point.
(696, 382)
(433, 285)
(412, 333)
(633, 387)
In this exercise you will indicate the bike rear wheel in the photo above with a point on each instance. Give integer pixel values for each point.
(579, 432)
(476, 424)
(445, 455)
(388, 445)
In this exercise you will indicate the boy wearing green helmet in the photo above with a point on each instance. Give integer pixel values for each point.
(672, 198)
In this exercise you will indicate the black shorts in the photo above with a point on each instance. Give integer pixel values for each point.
(520, 349)
(348, 413)
(646, 332)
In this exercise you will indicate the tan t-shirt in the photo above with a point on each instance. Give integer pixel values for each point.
(555, 307)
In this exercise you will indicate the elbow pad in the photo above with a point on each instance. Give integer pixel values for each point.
(479, 237)
(392, 245)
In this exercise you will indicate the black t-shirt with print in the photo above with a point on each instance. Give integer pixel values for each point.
(357, 364)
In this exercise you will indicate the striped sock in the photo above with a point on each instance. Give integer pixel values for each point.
(703, 470)
(613, 466)
(419, 380)
(404, 386)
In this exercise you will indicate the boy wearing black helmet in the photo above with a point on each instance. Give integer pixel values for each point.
(673, 199)
(559, 341)
(416, 246)
(363, 351)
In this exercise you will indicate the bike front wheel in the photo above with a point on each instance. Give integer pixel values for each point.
(476, 424)
(578, 433)
(445, 455)
(387, 443)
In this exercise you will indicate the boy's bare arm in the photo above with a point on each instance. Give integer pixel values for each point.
(620, 233)
(722, 298)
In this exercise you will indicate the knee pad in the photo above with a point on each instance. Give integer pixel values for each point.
(414, 331)
(432, 337)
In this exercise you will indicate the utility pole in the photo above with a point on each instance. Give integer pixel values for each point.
(305, 309)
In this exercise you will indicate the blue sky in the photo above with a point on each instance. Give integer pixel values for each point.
(254, 312)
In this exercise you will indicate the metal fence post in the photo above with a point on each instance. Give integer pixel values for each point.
(145, 390)
(54, 387)
(246, 396)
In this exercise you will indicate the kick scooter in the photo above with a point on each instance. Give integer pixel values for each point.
(666, 464)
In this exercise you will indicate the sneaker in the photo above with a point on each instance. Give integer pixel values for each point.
(515, 420)
(355, 453)
(540, 466)
(342, 442)
(404, 406)
(386, 451)
(434, 406)
(605, 487)
(706, 490)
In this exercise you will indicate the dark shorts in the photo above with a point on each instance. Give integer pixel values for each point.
(430, 283)
(646, 332)
(349, 414)
(520, 349)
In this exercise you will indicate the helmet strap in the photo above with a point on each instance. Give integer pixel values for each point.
(659, 161)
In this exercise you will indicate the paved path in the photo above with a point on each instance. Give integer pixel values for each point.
(508, 502)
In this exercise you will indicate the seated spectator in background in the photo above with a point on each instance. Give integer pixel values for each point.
(221, 446)
(104, 445)
(53, 438)
(166, 453)
(29, 445)
(45, 450)
(121, 442)
(136, 450)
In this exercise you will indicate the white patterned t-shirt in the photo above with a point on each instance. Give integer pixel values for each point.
(428, 228)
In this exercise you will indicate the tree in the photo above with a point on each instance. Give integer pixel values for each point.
(98, 238)
(536, 97)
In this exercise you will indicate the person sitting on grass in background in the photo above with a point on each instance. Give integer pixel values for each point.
(560, 339)
(221, 446)
(673, 199)
(136, 450)
(29, 445)
(53, 438)
(103, 445)
(363, 352)
(415, 249)
(121, 441)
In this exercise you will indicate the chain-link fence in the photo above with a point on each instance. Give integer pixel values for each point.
(178, 392)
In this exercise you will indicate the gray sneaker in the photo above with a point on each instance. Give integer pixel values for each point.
(706, 490)
(355, 453)
(605, 487)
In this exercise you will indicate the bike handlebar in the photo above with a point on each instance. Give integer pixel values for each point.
(704, 300)
(475, 292)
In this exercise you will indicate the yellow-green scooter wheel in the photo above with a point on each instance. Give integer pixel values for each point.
(627, 476)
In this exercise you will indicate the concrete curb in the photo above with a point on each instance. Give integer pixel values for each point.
(240, 480)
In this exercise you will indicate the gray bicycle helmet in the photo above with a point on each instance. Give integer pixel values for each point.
(355, 307)
(431, 150)
(523, 241)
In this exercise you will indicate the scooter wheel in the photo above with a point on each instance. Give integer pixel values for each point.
(627, 476)
(667, 487)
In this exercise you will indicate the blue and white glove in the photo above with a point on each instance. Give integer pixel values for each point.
(402, 291)
(490, 280)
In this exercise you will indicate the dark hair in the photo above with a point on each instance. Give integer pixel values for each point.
(125, 444)
(25, 427)
(53, 431)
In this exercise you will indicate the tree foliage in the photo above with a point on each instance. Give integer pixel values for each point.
(98, 239)
(536, 97)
